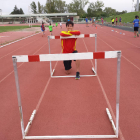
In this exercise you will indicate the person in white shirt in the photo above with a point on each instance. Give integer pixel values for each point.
(61, 25)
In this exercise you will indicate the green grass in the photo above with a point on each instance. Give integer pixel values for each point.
(39, 25)
(127, 17)
(11, 28)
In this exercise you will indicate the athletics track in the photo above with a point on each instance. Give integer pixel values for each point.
(66, 106)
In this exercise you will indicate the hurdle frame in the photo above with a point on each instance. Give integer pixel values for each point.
(25, 131)
(73, 36)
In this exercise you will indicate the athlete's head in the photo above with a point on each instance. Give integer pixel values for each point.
(136, 17)
(50, 23)
(69, 25)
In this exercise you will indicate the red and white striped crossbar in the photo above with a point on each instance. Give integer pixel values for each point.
(66, 56)
(73, 36)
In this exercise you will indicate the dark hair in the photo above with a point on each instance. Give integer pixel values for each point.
(69, 22)
(50, 23)
(136, 16)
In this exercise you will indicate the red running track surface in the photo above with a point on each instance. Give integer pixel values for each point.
(66, 106)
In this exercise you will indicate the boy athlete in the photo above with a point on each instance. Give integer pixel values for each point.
(136, 26)
(69, 46)
(43, 29)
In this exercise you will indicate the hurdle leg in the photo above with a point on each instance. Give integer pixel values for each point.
(118, 92)
(95, 51)
(51, 72)
(19, 97)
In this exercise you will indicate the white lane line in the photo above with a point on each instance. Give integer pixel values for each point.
(44, 91)
(18, 40)
(121, 40)
(121, 55)
(107, 100)
(18, 48)
(20, 65)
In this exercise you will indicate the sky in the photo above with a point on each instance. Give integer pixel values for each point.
(7, 6)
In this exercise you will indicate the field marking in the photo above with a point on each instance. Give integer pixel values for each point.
(121, 39)
(20, 65)
(121, 55)
(106, 98)
(18, 40)
(18, 48)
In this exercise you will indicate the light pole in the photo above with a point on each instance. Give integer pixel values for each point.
(1, 14)
(29, 11)
(137, 5)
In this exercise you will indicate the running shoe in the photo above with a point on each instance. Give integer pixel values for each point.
(77, 76)
(134, 36)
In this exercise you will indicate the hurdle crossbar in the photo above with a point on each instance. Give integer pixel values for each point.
(68, 37)
(61, 57)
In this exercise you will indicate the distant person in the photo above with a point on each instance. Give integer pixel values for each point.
(120, 21)
(93, 22)
(102, 20)
(86, 19)
(112, 20)
(43, 29)
(68, 19)
(61, 25)
(116, 21)
(50, 29)
(56, 24)
(90, 20)
(136, 26)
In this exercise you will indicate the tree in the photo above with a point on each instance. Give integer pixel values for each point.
(135, 6)
(50, 6)
(109, 11)
(78, 7)
(21, 11)
(33, 7)
(17, 11)
(95, 9)
(55, 6)
(40, 8)
(60, 6)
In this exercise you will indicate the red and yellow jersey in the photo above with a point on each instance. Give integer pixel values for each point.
(69, 45)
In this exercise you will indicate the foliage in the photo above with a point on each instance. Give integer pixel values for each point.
(77, 6)
(17, 11)
(55, 6)
(33, 7)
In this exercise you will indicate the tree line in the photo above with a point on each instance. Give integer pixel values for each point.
(95, 9)
(17, 11)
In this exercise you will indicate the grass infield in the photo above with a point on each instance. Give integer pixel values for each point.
(15, 28)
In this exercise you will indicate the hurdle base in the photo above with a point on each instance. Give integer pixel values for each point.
(111, 120)
(94, 70)
(71, 137)
(72, 75)
(52, 72)
(30, 122)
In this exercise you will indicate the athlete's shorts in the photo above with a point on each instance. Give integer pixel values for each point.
(112, 22)
(116, 21)
(67, 63)
(136, 28)
(42, 30)
(50, 31)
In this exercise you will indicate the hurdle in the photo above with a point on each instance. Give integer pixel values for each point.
(61, 57)
(73, 36)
